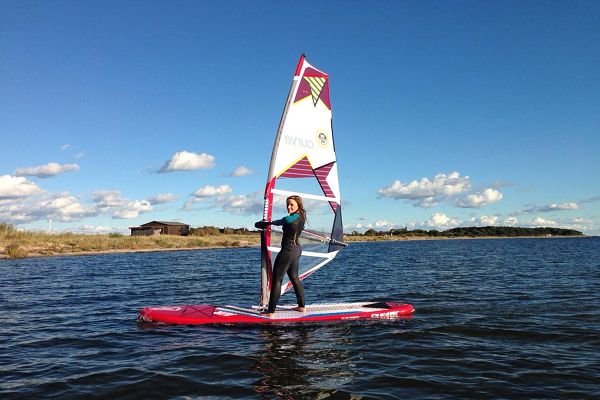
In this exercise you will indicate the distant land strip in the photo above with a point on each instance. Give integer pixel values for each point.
(16, 243)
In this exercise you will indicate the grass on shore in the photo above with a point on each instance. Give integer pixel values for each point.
(15, 243)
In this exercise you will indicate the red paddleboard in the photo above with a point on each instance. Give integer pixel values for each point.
(209, 314)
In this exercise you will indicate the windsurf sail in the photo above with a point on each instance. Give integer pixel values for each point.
(304, 163)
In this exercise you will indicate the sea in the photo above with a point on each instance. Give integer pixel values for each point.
(494, 319)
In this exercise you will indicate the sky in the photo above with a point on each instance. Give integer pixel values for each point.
(445, 114)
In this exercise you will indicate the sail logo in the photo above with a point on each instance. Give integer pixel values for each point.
(299, 142)
(322, 139)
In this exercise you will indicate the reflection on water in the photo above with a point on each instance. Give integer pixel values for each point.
(303, 360)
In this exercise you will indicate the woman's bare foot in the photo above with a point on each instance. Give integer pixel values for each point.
(267, 314)
(299, 309)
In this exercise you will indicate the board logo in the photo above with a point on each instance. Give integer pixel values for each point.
(386, 315)
(322, 139)
(223, 313)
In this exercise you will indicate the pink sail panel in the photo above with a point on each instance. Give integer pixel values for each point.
(303, 169)
(315, 84)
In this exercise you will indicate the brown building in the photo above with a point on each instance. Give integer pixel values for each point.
(161, 228)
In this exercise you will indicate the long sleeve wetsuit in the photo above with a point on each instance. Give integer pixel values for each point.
(288, 260)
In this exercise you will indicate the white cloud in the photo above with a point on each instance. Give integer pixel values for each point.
(187, 161)
(484, 220)
(65, 146)
(67, 208)
(427, 193)
(510, 221)
(210, 191)
(553, 207)
(241, 171)
(107, 199)
(221, 197)
(58, 207)
(96, 229)
(441, 221)
(241, 204)
(591, 199)
(479, 200)
(206, 193)
(162, 198)
(110, 201)
(132, 209)
(384, 223)
(79, 155)
(542, 222)
(12, 187)
(46, 171)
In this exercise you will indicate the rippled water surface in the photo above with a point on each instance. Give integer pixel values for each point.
(511, 318)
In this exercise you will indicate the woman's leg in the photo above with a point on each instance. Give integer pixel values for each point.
(293, 275)
(282, 263)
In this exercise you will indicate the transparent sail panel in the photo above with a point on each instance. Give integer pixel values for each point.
(315, 239)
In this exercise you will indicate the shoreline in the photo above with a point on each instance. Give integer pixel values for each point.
(226, 243)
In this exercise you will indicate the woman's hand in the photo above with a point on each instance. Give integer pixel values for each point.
(261, 224)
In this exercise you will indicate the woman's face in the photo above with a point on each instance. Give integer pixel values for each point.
(292, 206)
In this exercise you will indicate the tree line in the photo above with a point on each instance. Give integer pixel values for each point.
(215, 231)
(475, 231)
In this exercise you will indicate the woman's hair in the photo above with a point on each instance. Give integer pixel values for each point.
(298, 201)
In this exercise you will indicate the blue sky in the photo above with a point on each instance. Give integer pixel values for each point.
(446, 114)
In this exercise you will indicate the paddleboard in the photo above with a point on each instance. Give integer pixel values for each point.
(211, 314)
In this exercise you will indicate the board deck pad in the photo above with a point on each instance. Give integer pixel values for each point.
(210, 314)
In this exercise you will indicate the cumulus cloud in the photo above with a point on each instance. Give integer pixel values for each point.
(479, 200)
(241, 204)
(223, 198)
(553, 207)
(132, 209)
(207, 193)
(187, 161)
(428, 193)
(34, 204)
(68, 208)
(591, 199)
(58, 207)
(542, 222)
(210, 191)
(111, 201)
(107, 199)
(380, 225)
(441, 221)
(92, 229)
(162, 198)
(12, 187)
(241, 171)
(510, 221)
(484, 220)
(46, 171)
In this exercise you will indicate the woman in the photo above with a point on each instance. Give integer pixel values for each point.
(288, 259)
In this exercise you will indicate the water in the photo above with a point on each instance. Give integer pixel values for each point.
(494, 319)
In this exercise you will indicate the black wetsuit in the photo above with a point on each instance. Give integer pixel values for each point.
(288, 260)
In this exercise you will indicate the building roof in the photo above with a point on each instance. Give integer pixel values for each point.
(166, 223)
